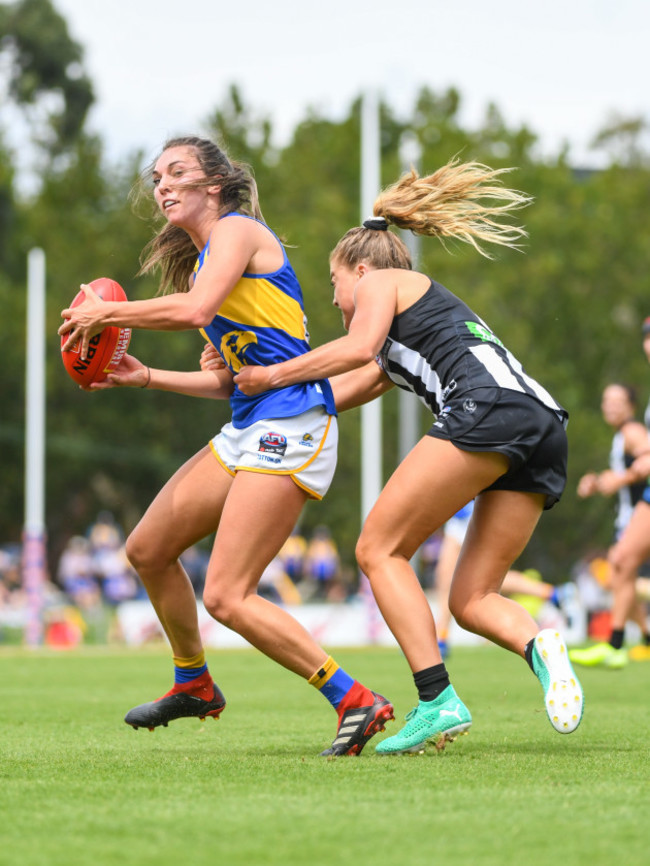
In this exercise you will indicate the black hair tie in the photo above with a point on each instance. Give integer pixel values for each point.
(376, 223)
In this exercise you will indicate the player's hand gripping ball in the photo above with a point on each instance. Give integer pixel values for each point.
(106, 348)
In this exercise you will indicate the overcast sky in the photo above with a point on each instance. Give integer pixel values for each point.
(561, 66)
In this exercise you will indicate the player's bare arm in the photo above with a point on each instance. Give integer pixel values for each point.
(132, 373)
(369, 326)
(233, 246)
(359, 386)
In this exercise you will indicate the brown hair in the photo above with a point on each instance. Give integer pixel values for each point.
(463, 201)
(172, 249)
(629, 391)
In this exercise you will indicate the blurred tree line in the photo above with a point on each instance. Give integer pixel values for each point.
(570, 307)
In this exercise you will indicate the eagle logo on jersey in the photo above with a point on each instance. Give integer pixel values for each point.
(233, 348)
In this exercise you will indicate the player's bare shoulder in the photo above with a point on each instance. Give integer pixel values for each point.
(268, 256)
(410, 287)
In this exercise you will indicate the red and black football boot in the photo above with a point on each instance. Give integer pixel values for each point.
(178, 703)
(362, 714)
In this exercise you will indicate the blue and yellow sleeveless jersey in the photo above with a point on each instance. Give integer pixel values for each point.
(263, 322)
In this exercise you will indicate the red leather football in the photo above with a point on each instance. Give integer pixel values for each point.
(106, 348)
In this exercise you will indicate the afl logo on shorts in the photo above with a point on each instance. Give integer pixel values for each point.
(273, 443)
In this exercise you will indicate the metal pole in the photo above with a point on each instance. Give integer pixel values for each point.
(34, 535)
(371, 429)
(410, 152)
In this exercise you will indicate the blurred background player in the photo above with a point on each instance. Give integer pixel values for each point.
(627, 477)
(322, 563)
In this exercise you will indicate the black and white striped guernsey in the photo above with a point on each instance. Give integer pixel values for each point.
(439, 346)
(628, 496)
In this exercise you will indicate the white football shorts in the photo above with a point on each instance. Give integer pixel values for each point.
(302, 446)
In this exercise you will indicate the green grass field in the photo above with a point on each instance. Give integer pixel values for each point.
(79, 787)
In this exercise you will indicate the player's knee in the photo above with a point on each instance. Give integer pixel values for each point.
(623, 563)
(459, 612)
(366, 554)
(137, 551)
(212, 602)
(221, 607)
(143, 555)
(462, 611)
(465, 618)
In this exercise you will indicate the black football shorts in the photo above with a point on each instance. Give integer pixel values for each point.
(530, 435)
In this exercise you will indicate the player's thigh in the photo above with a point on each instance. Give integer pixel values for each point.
(431, 484)
(633, 547)
(499, 530)
(259, 514)
(187, 509)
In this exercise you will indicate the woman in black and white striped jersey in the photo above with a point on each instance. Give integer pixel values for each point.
(497, 436)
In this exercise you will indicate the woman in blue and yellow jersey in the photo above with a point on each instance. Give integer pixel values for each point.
(497, 436)
(226, 273)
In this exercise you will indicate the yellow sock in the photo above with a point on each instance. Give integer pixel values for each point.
(196, 661)
(324, 673)
(188, 670)
(332, 681)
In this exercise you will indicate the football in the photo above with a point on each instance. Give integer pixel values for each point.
(106, 348)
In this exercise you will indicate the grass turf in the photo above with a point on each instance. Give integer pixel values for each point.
(78, 786)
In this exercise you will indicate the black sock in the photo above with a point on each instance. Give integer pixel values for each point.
(528, 652)
(431, 682)
(646, 639)
(616, 639)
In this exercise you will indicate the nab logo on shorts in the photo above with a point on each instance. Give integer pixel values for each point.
(273, 443)
(444, 413)
(447, 391)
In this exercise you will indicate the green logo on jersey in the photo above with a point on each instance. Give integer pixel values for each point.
(483, 333)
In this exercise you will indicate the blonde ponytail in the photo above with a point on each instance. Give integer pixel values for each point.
(463, 201)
